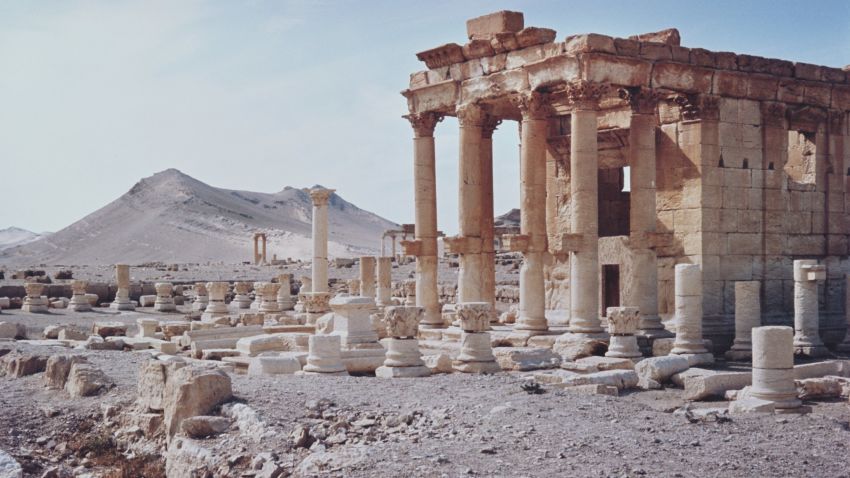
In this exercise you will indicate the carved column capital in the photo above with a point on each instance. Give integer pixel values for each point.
(424, 123)
(699, 107)
(585, 95)
(490, 125)
(320, 196)
(471, 114)
(642, 101)
(533, 106)
(773, 114)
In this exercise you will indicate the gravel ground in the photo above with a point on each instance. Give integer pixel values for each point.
(452, 425)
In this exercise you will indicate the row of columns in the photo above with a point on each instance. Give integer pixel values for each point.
(474, 243)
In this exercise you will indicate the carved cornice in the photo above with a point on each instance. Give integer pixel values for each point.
(533, 106)
(642, 101)
(471, 114)
(424, 123)
(490, 125)
(585, 95)
(773, 114)
(698, 106)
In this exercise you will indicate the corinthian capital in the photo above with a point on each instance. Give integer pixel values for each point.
(320, 196)
(471, 114)
(424, 123)
(698, 106)
(533, 106)
(642, 101)
(584, 94)
(490, 125)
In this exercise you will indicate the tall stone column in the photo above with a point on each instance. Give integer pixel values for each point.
(807, 339)
(424, 247)
(642, 210)
(773, 367)
(584, 200)
(385, 270)
(845, 345)
(256, 250)
(367, 276)
(320, 197)
(488, 249)
(122, 296)
(264, 260)
(688, 291)
(467, 244)
(747, 316)
(532, 294)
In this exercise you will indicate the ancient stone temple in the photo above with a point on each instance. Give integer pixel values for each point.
(636, 154)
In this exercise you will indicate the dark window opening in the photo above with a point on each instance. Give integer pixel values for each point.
(614, 203)
(610, 286)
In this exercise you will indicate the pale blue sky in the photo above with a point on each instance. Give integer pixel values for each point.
(95, 95)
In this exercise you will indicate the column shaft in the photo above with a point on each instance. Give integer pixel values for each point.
(469, 203)
(320, 199)
(488, 250)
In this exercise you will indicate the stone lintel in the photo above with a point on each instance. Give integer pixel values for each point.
(516, 242)
(412, 248)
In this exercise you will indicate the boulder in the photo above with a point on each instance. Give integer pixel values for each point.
(57, 369)
(9, 467)
(654, 371)
(203, 426)
(191, 391)
(85, 380)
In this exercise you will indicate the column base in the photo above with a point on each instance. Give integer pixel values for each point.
(122, 305)
(476, 367)
(80, 307)
(342, 373)
(531, 326)
(811, 350)
(35, 309)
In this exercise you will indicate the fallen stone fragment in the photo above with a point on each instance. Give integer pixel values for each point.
(526, 358)
(71, 333)
(554, 377)
(191, 391)
(598, 364)
(572, 347)
(654, 371)
(85, 380)
(22, 365)
(819, 369)
(622, 379)
(591, 389)
(823, 387)
(203, 426)
(57, 369)
(751, 405)
(705, 386)
(438, 363)
(678, 379)
(109, 329)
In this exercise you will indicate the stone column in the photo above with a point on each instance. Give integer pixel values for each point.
(584, 201)
(122, 296)
(403, 357)
(408, 287)
(367, 276)
(263, 237)
(361, 350)
(385, 287)
(269, 303)
(476, 353)
(306, 286)
(845, 345)
(34, 302)
(467, 244)
(258, 295)
(316, 304)
(324, 356)
(424, 247)
(284, 294)
(622, 325)
(202, 298)
(241, 299)
(807, 339)
(488, 249)
(216, 307)
(79, 302)
(353, 286)
(256, 250)
(747, 316)
(164, 301)
(688, 291)
(642, 211)
(773, 366)
(320, 197)
(532, 294)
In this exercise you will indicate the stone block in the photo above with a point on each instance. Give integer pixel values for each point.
(109, 329)
(531, 36)
(438, 363)
(602, 68)
(9, 330)
(751, 405)
(622, 379)
(590, 389)
(487, 25)
(654, 371)
(596, 363)
(681, 77)
(273, 366)
(590, 42)
(147, 300)
(814, 370)
(715, 385)
(662, 347)
(655, 51)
